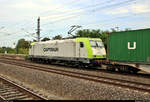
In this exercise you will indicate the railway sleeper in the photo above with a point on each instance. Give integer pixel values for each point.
(18, 97)
(11, 92)
(7, 87)
(28, 98)
(8, 95)
(23, 98)
(8, 90)
(4, 87)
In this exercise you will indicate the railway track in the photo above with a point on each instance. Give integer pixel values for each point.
(100, 79)
(137, 75)
(11, 91)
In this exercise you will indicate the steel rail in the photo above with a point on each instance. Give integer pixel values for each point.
(23, 91)
(144, 75)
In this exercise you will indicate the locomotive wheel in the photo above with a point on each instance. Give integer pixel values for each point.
(82, 65)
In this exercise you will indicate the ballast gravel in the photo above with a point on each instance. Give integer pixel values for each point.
(99, 72)
(54, 86)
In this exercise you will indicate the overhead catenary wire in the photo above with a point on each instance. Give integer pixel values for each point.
(69, 3)
(103, 7)
(20, 22)
(76, 15)
(101, 22)
(62, 16)
(106, 20)
(58, 19)
(93, 6)
(62, 19)
(116, 4)
(118, 18)
(77, 10)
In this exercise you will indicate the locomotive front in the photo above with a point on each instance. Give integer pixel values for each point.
(94, 48)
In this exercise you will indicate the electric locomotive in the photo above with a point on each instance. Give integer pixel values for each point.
(82, 51)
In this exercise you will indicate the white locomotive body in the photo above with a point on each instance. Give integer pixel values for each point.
(77, 50)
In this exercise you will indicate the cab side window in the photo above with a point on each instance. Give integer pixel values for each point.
(81, 44)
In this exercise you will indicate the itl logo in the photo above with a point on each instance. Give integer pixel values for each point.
(132, 48)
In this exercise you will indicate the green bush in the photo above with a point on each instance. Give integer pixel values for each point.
(23, 51)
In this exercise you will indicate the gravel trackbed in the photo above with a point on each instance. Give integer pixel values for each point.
(54, 86)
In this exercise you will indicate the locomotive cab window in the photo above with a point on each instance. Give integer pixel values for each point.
(81, 44)
(96, 44)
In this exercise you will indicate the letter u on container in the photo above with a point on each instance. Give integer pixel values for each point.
(131, 48)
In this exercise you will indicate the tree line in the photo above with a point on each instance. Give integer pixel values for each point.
(22, 46)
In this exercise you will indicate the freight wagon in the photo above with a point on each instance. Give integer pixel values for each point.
(130, 48)
(83, 51)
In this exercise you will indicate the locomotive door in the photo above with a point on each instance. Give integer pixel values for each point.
(82, 50)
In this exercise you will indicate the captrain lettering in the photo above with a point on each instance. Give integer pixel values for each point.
(50, 49)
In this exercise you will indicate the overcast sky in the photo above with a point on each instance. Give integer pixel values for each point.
(18, 18)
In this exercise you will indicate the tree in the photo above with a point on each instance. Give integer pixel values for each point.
(8, 49)
(23, 44)
(34, 40)
(59, 37)
(104, 36)
(89, 33)
(127, 29)
(3, 49)
(113, 30)
(45, 39)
